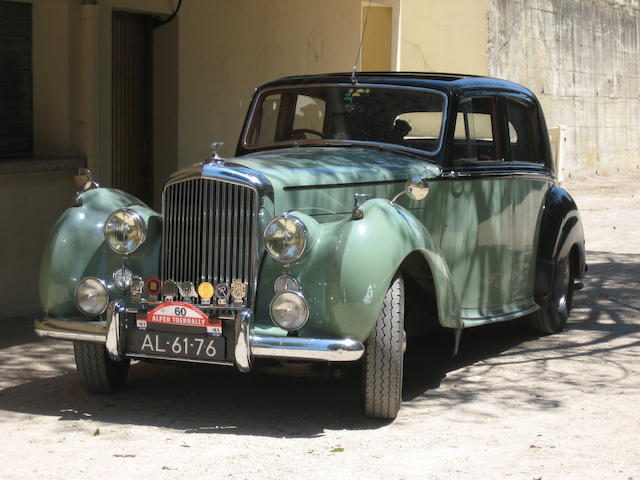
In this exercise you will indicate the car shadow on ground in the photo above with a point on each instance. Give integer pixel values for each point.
(202, 399)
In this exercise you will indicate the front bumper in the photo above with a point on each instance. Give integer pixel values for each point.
(247, 346)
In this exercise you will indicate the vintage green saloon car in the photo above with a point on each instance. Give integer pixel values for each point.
(357, 208)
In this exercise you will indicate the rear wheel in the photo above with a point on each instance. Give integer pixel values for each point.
(552, 317)
(384, 357)
(98, 372)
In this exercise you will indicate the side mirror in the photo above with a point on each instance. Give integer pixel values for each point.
(415, 188)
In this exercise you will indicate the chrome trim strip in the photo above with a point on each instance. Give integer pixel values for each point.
(75, 331)
(256, 98)
(242, 352)
(178, 359)
(344, 185)
(333, 350)
(116, 314)
(507, 170)
(229, 173)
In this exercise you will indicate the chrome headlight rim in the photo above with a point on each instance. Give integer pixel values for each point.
(140, 224)
(284, 283)
(125, 268)
(304, 302)
(105, 291)
(305, 237)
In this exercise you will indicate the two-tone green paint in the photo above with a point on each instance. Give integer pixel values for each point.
(480, 257)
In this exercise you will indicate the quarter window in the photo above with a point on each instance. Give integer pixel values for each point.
(524, 138)
(476, 132)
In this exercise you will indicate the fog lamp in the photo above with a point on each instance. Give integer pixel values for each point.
(284, 283)
(289, 310)
(122, 277)
(92, 296)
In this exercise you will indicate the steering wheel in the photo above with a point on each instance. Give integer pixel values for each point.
(306, 130)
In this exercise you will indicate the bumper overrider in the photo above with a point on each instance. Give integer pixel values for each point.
(246, 346)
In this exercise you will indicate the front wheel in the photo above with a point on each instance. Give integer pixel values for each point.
(552, 316)
(98, 372)
(384, 357)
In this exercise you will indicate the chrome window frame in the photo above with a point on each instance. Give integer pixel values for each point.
(332, 142)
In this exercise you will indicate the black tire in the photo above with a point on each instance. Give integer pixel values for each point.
(97, 371)
(552, 316)
(383, 359)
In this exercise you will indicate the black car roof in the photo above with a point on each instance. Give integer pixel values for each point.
(446, 82)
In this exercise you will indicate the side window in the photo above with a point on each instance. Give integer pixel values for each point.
(524, 136)
(476, 131)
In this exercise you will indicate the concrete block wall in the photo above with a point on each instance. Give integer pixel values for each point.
(582, 59)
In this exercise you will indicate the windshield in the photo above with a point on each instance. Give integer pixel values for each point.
(410, 118)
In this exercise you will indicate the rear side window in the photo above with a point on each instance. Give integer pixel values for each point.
(476, 135)
(524, 135)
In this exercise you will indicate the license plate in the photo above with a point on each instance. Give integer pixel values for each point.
(200, 347)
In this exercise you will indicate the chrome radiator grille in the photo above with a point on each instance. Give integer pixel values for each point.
(209, 232)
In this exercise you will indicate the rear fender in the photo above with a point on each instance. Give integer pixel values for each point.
(560, 232)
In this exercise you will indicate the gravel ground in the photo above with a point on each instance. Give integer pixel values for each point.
(511, 405)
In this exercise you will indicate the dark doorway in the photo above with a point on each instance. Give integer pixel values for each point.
(131, 155)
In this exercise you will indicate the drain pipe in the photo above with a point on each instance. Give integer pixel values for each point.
(158, 23)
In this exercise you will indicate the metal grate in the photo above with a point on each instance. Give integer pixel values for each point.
(209, 232)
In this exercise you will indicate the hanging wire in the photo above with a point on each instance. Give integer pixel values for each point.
(364, 28)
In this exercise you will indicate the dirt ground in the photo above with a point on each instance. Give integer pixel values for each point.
(511, 405)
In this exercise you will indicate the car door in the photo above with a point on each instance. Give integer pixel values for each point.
(478, 235)
(531, 180)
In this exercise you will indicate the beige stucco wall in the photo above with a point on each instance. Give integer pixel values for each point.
(376, 43)
(582, 59)
(444, 36)
(71, 115)
(30, 205)
(228, 48)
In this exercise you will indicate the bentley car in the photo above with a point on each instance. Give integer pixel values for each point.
(359, 208)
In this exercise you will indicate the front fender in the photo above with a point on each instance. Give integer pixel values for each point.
(77, 249)
(347, 270)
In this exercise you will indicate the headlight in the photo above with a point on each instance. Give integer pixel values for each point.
(285, 238)
(289, 310)
(125, 231)
(92, 296)
(122, 277)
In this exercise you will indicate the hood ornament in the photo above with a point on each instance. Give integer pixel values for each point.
(215, 157)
